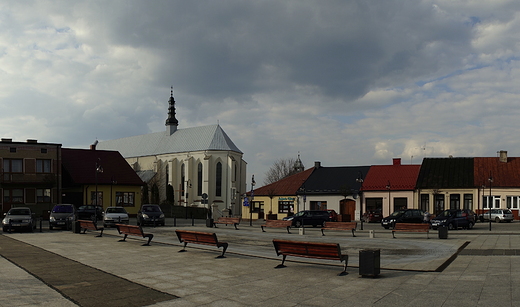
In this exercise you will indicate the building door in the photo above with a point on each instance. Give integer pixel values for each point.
(347, 209)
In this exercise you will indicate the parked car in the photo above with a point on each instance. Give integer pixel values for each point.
(332, 215)
(309, 217)
(497, 215)
(115, 215)
(454, 219)
(372, 216)
(62, 216)
(20, 218)
(403, 216)
(89, 212)
(150, 214)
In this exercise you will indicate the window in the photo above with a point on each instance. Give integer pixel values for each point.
(43, 195)
(468, 201)
(13, 165)
(13, 196)
(258, 206)
(183, 177)
(438, 203)
(125, 199)
(99, 201)
(454, 201)
(44, 150)
(12, 149)
(513, 201)
(400, 203)
(285, 206)
(218, 181)
(425, 202)
(489, 202)
(199, 179)
(318, 205)
(43, 166)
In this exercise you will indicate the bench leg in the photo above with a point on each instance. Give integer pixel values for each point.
(100, 232)
(353, 232)
(123, 239)
(236, 226)
(262, 228)
(150, 237)
(393, 236)
(184, 247)
(84, 230)
(289, 229)
(224, 248)
(282, 264)
(322, 233)
(345, 258)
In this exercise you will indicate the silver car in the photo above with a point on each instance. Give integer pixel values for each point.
(497, 215)
(18, 218)
(115, 215)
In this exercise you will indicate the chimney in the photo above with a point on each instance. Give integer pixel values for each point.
(503, 156)
(32, 141)
(317, 164)
(6, 140)
(397, 161)
(93, 146)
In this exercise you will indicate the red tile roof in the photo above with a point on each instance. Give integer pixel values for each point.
(80, 165)
(401, 177)
(505, 174)
(286, 186)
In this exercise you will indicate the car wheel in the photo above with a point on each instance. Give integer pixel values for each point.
(50, 227)
(298, 224)
(497, 220)
(162, 224)
(451, 226)
(4, 229)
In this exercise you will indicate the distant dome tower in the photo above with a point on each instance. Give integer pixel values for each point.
(298, 165)
(171, 122)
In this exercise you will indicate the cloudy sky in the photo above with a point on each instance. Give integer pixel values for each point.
(341, 82)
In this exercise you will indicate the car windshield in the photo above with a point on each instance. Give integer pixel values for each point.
(151, 209)
(507, 211)
(20, 212)
(397, 213)
(116, 210)
(62, 209)
(446, 213)
(300, 213)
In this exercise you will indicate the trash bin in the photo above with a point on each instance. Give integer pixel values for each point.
(443, 232)
(369, 262)
(209, 223)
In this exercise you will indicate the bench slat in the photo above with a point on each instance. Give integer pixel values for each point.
(277, 224)
(330, 251)
(411, 227)
(198, 237)
(340, 226)
(90, 225)
(134, 231)
(228, 220)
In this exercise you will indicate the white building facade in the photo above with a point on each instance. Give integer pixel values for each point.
(194, 162)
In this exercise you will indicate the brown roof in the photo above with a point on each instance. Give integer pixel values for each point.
(286, 186)
(79, 165)
(400, 177)
(505, 174)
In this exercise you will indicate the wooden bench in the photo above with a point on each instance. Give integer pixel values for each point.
(197, 237)
(228, 220)
(133, 231)
(277, 224)
(340, 226)
(410, 227)
(90, 225)
(330, 251)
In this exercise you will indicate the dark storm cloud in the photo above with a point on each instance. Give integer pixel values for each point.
(232, 49)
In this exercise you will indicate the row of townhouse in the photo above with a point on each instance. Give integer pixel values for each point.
(435, 185)
(40, 175)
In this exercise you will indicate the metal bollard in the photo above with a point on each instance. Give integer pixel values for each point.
(192, 221)
(41, 222)
(174, 221)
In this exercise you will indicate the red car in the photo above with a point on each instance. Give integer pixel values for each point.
(372, 216)
(332, 215)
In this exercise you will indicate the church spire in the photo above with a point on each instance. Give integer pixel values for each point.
(171, 122)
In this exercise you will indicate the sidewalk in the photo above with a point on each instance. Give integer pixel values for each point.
(415, 270)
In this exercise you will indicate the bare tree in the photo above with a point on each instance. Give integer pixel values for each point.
(280, 169)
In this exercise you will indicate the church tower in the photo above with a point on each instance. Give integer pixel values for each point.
(171, 122)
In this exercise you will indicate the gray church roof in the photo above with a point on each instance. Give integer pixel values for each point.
(182, 140)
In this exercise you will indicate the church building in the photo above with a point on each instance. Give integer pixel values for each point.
(189, 164)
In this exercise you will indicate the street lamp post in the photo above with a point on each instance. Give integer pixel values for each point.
(360, 180)
(490, 202)
(252, 197)
(389, 202)
(99, 169)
